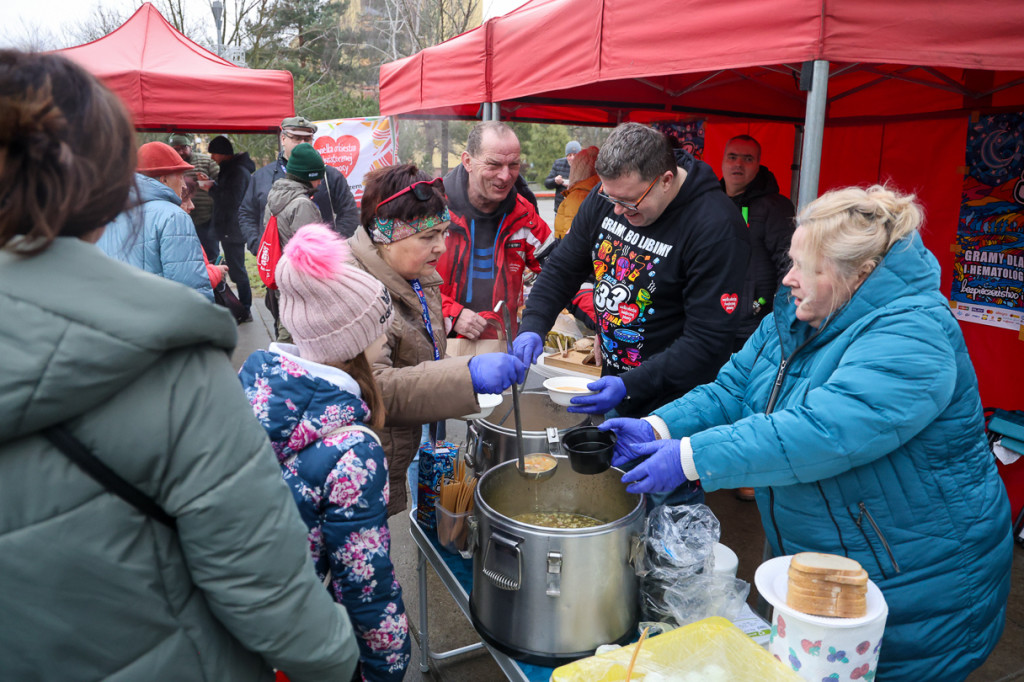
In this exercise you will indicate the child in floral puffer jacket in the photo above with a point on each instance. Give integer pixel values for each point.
(315, 400)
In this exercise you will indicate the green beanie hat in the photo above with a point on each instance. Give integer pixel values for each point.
(305, 163)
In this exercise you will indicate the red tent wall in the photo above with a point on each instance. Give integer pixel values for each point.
(169, 82)
(923, 157)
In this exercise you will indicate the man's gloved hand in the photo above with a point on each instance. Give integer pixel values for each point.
(628, 432)
(661, 472)
(527, 347)
(610, 392)
(494, 372)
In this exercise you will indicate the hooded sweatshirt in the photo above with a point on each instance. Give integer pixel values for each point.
(290, 201)
(666, 294)
(137, 369)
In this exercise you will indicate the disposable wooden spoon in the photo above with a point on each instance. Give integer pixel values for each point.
(632, 661)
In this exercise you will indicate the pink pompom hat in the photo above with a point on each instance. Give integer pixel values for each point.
(332, 309)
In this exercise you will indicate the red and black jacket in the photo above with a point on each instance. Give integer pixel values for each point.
(523, 235)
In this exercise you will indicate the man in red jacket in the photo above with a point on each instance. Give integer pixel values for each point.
(495, 233)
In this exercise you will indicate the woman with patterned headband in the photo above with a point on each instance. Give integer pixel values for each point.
(405, 222)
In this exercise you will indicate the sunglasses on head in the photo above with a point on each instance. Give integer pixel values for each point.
(629, 205)
(423, 190)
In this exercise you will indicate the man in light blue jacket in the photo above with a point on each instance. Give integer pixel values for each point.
(166, 244)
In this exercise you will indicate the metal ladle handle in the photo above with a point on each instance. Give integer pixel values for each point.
(506, 325)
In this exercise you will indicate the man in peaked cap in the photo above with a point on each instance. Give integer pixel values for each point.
(333, 197)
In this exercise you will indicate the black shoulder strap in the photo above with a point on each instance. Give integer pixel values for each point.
(105, 476)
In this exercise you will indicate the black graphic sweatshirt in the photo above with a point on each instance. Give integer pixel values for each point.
(666, 294)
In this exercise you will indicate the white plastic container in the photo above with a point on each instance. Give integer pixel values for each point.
(817, 647)
(726, 561)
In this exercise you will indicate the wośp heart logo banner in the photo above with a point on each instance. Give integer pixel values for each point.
(355, 146)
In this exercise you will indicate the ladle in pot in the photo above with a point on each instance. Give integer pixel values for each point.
(542, 458)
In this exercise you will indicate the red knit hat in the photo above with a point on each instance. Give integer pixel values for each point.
(157, 158)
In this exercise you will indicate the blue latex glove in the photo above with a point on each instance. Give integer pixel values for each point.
(628, 432)
(661, 472)
(610, 392)
(527, 347)
(494, 372)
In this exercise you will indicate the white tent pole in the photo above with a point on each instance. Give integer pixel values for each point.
(495, 111)
(485, 115)
(814, 130)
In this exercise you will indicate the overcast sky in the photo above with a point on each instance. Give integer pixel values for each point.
(54, 23)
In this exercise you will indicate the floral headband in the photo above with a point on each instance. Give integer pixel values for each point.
(390, 230)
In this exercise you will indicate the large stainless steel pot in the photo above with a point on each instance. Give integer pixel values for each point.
(491, 443)
(546, 595)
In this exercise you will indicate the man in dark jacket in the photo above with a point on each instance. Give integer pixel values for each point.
(669, 253)
(494, 237)
(558, 178)
(333, 197)
(769, 217)
(232, 183)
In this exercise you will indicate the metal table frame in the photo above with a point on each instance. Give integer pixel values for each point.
(427, 552)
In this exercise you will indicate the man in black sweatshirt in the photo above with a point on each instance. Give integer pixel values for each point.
(669, 252)
(769, 217)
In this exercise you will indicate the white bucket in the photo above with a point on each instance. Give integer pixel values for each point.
(726, 561)
(817, 647)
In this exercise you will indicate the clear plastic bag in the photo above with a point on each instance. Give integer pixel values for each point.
(677, 579)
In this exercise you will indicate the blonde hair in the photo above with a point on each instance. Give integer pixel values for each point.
(582, 165)
(850, 230)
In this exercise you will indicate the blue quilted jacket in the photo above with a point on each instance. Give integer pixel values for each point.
(339, 480)
(157, 236)
(875, 450)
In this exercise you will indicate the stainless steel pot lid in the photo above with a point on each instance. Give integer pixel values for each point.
(538, 413)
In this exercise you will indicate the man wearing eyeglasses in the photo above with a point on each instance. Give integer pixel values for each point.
(494, 237)
(333, 197)
(669, 251)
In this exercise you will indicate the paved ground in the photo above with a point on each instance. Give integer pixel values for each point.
(741, 530)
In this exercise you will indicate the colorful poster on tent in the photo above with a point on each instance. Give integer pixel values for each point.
(689, 135)
(988, 269)
(355, 146)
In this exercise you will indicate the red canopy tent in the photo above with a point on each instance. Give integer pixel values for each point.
(902, 80)
(602, 62)
(879, 92)
(169, 82)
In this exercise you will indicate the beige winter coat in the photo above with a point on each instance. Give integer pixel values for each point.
(417, 389)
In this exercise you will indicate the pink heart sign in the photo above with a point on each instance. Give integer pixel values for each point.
(342, 153)
(628, 312)
(729, 302)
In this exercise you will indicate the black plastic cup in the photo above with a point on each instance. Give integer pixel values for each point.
(590, 450)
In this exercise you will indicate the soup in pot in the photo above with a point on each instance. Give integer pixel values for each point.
(563, 520)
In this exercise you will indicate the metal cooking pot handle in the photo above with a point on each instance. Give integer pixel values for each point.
(500, 552)
(472, 443)
(637, 548)
(554, 441)
(471, 534)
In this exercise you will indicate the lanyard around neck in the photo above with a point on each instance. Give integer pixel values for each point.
(425, 311)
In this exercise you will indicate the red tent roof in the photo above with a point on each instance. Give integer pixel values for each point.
(605, 61)
(169, 82)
